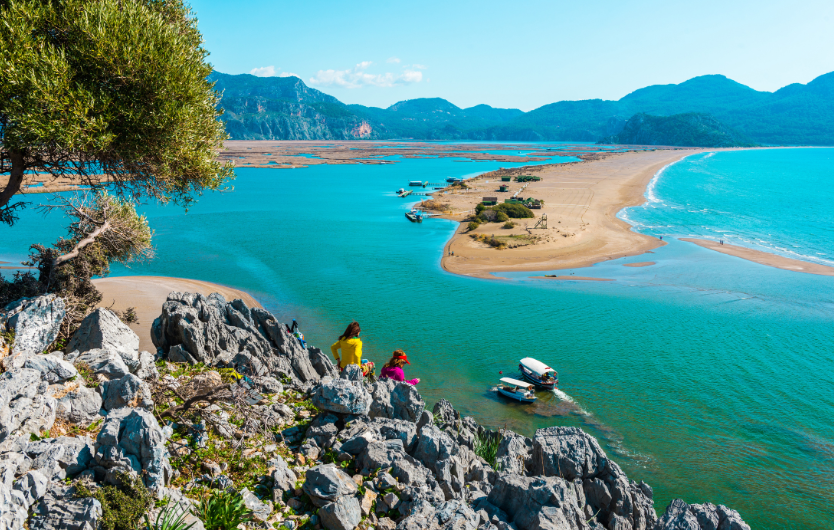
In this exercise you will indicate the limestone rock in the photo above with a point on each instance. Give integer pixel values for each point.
(682, 516)
(538, 503)
(326, 483)
(36, 323)
(61, 510)
(260, 510)
(127, 391)
(342, 396)
(283, 478)
(79, 405)
(344, 513)
(514, 453)
(13, 509)
(105, 363)
(395, 400)
(352, 372)
(32, 485)
(24, 407)
(53, 369)
(102, 329)
(147, 368)
(132, 441)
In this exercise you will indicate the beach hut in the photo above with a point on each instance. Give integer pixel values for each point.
(504, 188)
(488, 201)
(506, 179)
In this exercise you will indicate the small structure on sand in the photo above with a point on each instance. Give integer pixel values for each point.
(489, 201)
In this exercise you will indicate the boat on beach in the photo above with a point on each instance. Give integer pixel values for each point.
(517, 390)
(415, 216)
(538, 373)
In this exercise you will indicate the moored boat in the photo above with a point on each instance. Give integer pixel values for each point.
(415, 216)
(517, 390)
(538, 373)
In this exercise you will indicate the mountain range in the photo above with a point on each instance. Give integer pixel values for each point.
(284, 108)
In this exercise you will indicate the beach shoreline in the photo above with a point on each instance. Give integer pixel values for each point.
(581, 200)
(147, 294)
(763, 258)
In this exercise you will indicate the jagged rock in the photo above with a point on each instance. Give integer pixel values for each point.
(444, 410)
(147, 368)
(180, 505)
(78, 405)
(321, 363)
(283, 478)
(344, 513)
(178, 354)
(13, 509)
(53, 369)
(32, 485)
(538, 503)
(260, 510)
(513, 453)
(36, 323)
(127, 391)
(105, 363)
(323, 430)
(268, 385)
(682, 516)
(103, 330)
(395, 400)
(325, 483)
(24, 407)
(342, 396)
(437, 451)
(61, 510)
(131, 440)
(352, 372)
(456, 515)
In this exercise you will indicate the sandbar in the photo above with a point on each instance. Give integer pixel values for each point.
(581, 202)
(639, 264)
(764, 258)
(148, 293)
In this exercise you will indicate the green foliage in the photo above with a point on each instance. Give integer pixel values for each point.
(479, 208)
(501, 217)
(122, 506)
(486, 446)
(222, 510)
(170, 517)
(473, 225)
(509, 224)
(99, 90)
(515, 211)
(685, 130)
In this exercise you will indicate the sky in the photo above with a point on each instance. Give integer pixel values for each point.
(521, 54)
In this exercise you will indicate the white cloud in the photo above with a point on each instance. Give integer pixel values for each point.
(288, 74)
(264, 71)
(357, 77)
(419, 66)
(392, 60)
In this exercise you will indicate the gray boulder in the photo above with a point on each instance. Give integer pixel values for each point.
(103, 330)
(147, 368)
(60, 458)
(514, 452)
(283, 478)
(395, 400)
(61, 510)
(105, 363)
(24, 407)
(352, 372)
(36, 323)
(127, 391)
(538, 503)
(342, 396)
(345, 513)
(445, 412)
(456, 515)
(326, 483)
(32, 485)
(53, 369)
(13, 509)
(260, 510)
(682, 516)
(79, 405)
(132, 441)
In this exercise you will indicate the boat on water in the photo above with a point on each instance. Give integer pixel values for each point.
(453, 179)
(517, 390)
(538, 373)
(400, 191)
(415, 216)
(415, 183)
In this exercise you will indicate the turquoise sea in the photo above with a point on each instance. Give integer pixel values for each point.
(707, 376)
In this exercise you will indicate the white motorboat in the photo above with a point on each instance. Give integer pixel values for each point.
(518, 390)
(538, 373)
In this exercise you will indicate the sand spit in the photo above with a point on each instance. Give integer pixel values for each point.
(572, 278)
(148, 293)
(581, 203)
(640, 264)
(764, 258)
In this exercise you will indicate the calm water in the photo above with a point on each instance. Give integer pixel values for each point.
(707, 376)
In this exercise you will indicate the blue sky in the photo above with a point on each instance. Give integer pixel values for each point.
(521, 54)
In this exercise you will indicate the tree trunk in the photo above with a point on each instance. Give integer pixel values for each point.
(83, 243)
(15, 177)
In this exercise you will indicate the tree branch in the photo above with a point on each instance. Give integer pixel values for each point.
(83, 243)
(210, 396)
(15, 177)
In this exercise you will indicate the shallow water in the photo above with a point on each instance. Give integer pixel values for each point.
(705, 375)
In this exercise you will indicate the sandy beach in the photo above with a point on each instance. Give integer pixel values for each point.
(148, 293)
(764, 258)
(581, 201)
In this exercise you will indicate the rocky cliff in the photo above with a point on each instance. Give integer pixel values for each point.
(232, 406)
(683, 130)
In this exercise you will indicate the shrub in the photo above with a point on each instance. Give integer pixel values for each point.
(488, 215)
(473, 225)
(500, 217)
(223, 510)
(479, 207)
(122, 507)
(516, 211)
(509, 224)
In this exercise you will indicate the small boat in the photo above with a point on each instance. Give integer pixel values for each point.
(518, 390)
(415, 216)
(453, 179)
(400, 191)
(415, 183)
(538, 373)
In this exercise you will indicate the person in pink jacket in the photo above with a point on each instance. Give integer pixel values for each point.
(393, 369)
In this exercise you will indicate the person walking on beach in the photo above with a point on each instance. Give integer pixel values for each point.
(351, 346)
(393, 369)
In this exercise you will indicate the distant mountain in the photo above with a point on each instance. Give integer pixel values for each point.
(285, 108)
(692, 129)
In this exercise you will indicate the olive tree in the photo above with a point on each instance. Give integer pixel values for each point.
(107, 93)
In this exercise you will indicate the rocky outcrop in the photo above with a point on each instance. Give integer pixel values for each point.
(682, 516)
(103, 330)
(24, 407)
(35, 323)
(342, 396)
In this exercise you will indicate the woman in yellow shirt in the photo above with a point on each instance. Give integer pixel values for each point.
(351, 346)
